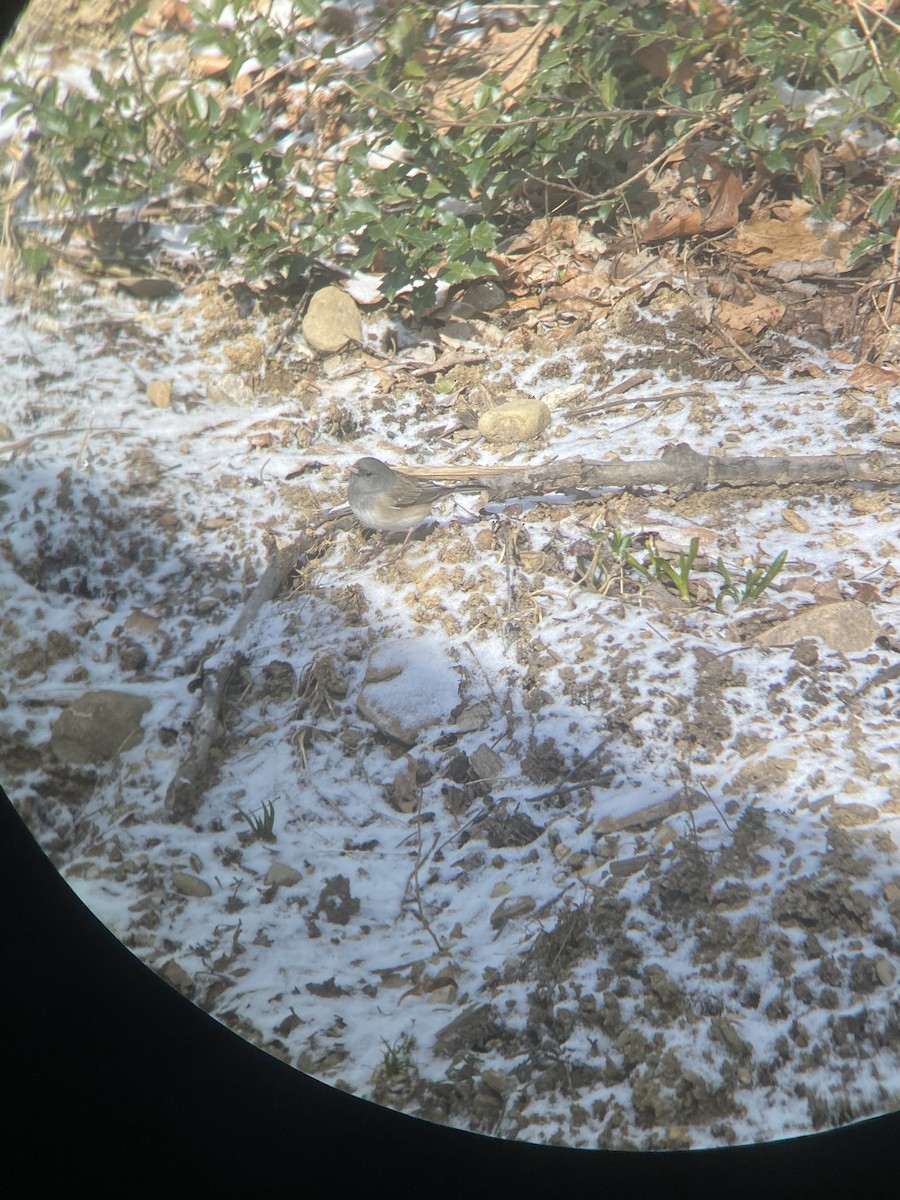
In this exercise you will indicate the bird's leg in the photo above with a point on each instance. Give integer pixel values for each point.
(399, 553)
(373, 547)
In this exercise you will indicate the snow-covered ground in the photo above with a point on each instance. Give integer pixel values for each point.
(631, 876)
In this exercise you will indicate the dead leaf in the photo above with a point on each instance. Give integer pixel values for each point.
(524, 303)
(513, 56)
(871, 376)
(655, 61)
(586, 286)
(176, 17)
(209, 65)
(793, 518)
(688, 217)
(549, 249)
(761, 313)
(788, 245)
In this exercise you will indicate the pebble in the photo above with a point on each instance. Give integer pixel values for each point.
(519, 420)
(885, 972)
(190, 885)
(331, 321)
(281, 875)
(159, 393)
(175, 974)
(846, 626)
(97, 726)
(510, 908)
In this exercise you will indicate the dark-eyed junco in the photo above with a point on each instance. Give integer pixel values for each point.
(393, 503)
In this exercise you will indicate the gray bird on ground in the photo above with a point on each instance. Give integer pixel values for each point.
(386, 500)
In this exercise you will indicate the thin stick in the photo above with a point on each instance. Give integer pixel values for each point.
(419, 862)
(895, 261)
(867, 34)
(186, 790)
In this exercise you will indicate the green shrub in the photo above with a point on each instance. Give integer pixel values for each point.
(613, 84)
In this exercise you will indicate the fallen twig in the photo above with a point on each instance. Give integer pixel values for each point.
(190, 781)
(680, 468)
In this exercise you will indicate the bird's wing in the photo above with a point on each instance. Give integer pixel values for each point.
(408, 491)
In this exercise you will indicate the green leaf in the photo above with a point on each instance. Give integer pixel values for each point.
(198, 102)
(847, 51)
(129, 19)
(882, 207)
(866, 245)
(35, 258)
(609, 91)
(778, 163)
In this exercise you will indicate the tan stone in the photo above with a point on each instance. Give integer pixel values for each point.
(331, 321)
(519, 420)
(98, 726)
(846, 626)
(159, 393)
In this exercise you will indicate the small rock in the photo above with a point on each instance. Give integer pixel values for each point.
(443, 993)
(190, 885)
(487, 763)
(884, 971)
(98, 726)
(500, 1081)
(519, 420)
(848, 815)
(409, 688)
(511, 908)
(175, 974)
(562, 396)
(471, 1030)
(83, 870)
(864, 974)
(459, 330)
(644, 818)
(473, 717)
(331, 321)
(131, 655)
(229, 388)
(159, 393)
(280, 875)
(629, 866)
(483, 296)
(678, 1137)
(664, 836)
(846, 626)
